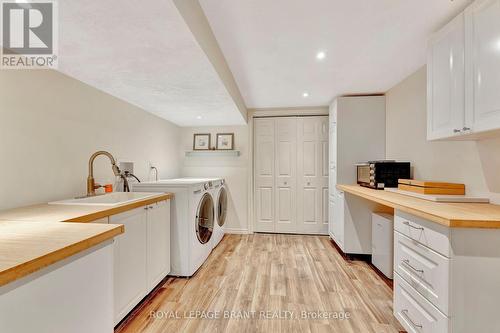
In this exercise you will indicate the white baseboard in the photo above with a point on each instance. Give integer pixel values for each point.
(237, 231)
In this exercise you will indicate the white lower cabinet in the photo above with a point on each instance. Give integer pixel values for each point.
(445, 279)
(141, 254)
(414, 312)
(130, 259)
(158, 242)
(424, 269)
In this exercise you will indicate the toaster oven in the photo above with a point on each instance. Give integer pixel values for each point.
(382, 174)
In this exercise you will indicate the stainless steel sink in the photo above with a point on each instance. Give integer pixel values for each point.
(110, 199)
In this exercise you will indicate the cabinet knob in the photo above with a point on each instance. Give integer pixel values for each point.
(466, 128)
(457, 131)
(285, 183)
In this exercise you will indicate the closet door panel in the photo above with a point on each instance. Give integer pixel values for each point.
(286, 165)
(312, 170)
(264, 166)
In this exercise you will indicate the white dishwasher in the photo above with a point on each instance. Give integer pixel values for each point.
(383, 243)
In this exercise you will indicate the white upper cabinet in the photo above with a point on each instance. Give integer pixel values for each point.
(483, 67)
(445, 86)
(463, 74)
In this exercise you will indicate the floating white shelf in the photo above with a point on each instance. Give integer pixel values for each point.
(200, 153)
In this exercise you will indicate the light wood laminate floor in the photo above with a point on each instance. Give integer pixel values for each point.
(255, 275)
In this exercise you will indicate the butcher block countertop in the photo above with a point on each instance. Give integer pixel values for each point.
(35, 237)
(26, 247)
(454, 215)
(74, 213)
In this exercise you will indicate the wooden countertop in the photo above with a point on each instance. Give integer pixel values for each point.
(454, 215)
(33, 237)
(26, 247)
(74, 213)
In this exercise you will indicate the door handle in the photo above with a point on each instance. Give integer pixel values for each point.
(405, 312)
(412, 226)
(407, 262)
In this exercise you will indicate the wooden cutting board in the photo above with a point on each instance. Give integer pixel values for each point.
(440, 198)
(430, 187)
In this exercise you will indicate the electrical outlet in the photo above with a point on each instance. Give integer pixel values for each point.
(126, 166)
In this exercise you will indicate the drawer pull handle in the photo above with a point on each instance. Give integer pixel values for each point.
(412, 226)
(407, 262)
(405, 312)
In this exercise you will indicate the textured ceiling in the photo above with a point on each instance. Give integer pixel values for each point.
(144, 53)
(271, 45)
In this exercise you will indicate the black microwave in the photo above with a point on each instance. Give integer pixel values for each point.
(382, 174)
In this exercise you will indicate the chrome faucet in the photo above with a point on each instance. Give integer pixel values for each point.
(91, 185)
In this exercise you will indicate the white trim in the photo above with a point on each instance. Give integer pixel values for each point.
(250, 163)
(280, 112)
(237, 231)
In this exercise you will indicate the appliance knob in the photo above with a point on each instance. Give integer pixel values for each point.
(372, 177)
(205, 187)
(372, 172)
(372, 166)
(372, 183)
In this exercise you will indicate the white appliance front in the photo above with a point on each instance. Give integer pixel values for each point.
(221, 202)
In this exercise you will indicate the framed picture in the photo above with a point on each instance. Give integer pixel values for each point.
(225, 141)
(201, 142)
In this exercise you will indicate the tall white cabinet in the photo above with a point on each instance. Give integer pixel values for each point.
(463, 74)
(291, 174)
(357, 134)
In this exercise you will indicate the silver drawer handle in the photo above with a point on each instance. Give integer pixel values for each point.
(407, 262)
(412, 226)
(405, 312)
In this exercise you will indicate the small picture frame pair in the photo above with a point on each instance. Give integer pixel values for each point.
(224, 141)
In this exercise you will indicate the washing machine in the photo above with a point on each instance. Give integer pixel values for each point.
(221, 202)
(192, 219)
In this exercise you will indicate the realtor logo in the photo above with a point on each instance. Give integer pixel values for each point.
(29, 34)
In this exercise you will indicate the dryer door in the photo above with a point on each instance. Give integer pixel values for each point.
(205, 219)
(222, 207)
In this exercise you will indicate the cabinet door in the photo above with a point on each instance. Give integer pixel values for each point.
(158, 242)
(130, 261)
(264, 143)
(332, 156)
(445, 81)
(483, 58)
(331, 217)
(312, 171)
(339, 219)
(286, 178)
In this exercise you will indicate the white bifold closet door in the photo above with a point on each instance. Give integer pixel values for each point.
(291, 175)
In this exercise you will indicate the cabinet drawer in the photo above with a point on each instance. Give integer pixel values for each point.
(414, 312)
(430, 234)
(425, 270)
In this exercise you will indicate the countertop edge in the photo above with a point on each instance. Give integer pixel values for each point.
(447, 222)
(38, 263)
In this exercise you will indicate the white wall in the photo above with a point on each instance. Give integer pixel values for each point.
(233, 169)
(50, 124)
(476, 164)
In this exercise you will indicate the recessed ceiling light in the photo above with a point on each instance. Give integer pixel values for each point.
(321, 55)
(199, 117)
(305, 95)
